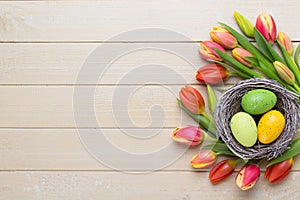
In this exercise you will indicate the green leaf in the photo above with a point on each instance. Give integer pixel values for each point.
(294, 149)
(212, 98)
(237, 64)
(296, 55)
(203, 121)
(261, 44)
(252, 60)
(239, 73)
(220, 148)
(268, 48)
(290, 62)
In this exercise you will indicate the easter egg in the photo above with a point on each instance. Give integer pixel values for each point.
(243, 128)
(270, 126)
(258, 101)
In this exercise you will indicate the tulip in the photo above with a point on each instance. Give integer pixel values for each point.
(245, 25)
(265, 24)
(247, 176)
(192, 99)
(240, 55)
(284, 72)
(207, 52)
(189, 135)
(277, 172)
(212, 74)
(221, 171)
(286, 42)
(221, 36)
(204, 159)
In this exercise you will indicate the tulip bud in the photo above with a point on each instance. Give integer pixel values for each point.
(245, 25)
(277, 172)
(189, 135)
(221, 36)
(240, 55)
(207, 52)
(247, 176)
(265, 24)
(212, 74)
(286, 42)
(204, 159)
(221, 171)
(192, 99)
(284, 72)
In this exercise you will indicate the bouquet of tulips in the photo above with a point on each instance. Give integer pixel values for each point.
(247, 60)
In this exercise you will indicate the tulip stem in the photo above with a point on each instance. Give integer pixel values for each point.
(259, 162)
(206, 115)
(296, 87)
(202, 120)
(208, 137)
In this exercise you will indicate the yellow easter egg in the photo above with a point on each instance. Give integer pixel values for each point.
(270, 126)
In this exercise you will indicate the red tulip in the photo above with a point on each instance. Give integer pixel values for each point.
(277, 172)
(247, 176)
(212, 74)
(221, 171)
(207, 52)
(189, 135)
(221, 36)
(192, 99)
(204, 159)
(265, 24)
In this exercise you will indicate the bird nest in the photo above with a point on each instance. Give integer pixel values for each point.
(230, 103)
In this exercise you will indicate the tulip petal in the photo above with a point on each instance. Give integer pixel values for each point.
(221, 171)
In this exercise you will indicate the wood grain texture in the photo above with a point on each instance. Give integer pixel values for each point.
(60, 64)
(118, 185)
(62, 149)
(97, 20)
(52, 106)
(44, 45)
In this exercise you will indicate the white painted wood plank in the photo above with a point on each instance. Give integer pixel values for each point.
(114, 106)
(62, 149)
(176, 63)
(101, 20)
(118, 185)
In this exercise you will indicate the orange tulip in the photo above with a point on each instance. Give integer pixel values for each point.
(189, 135)
(247, 176)
(277, 172)
(240, 55)
(207, 52)
(221, 36)
(212, 74)
(286, 42)
(265, 24)
(192, 99)
(204, 159)
(221, 171)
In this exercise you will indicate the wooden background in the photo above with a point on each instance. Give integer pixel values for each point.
(43, 46)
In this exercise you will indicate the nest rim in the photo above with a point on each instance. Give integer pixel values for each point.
(230, 103)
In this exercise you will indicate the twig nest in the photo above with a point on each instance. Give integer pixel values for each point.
(230, 104)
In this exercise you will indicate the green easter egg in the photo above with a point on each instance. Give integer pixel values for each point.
(243, 128)
(258, 101)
